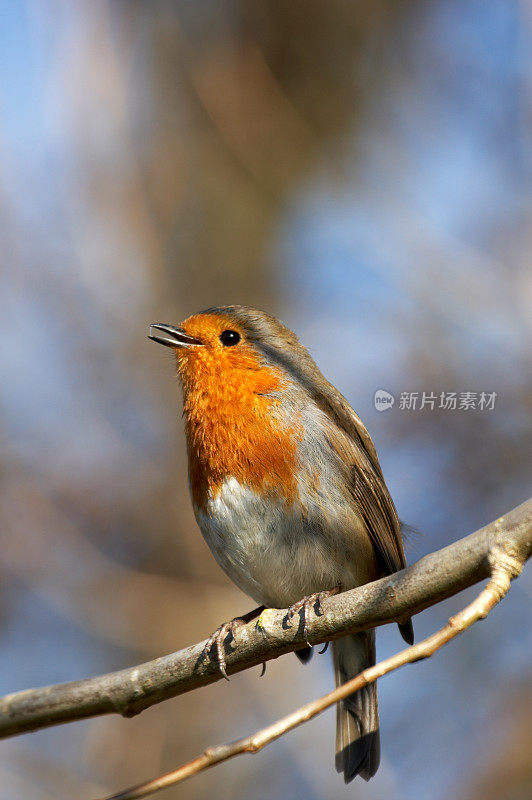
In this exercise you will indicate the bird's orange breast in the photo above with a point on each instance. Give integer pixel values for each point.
(235, 428)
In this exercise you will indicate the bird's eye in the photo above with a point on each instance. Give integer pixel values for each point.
(229, 338)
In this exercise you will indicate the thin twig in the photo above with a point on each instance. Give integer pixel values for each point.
(504, 568)
(127, 692)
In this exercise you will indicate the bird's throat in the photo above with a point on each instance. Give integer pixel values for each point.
(236, 429)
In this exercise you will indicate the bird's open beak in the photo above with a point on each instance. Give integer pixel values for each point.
(178, 337)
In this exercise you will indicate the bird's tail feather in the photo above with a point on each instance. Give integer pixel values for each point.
(357, 717)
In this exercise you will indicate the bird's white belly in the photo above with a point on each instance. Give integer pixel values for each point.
(278, 553)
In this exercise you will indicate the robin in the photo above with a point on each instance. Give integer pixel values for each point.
(287, 489)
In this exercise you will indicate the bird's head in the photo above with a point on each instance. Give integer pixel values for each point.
(241, 346)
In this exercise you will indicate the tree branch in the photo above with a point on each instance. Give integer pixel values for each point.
(391, 599)
(503, 569)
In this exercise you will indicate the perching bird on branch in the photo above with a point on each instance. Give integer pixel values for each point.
(287, 488)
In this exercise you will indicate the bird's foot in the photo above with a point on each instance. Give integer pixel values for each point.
(217, 639)
(306, 604)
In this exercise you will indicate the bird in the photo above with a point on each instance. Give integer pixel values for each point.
(287, 489)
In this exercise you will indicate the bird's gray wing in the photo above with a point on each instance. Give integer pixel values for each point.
(350, 438)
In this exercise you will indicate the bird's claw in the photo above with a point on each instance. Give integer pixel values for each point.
(306, 604)
(260, 626)
(217, 640)
(219, 636)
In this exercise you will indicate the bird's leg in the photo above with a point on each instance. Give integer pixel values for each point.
(219, 636)
(312, 601)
